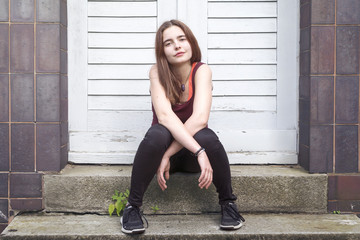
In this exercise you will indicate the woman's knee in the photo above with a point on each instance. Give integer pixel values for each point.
(207, 138)
(158, 135)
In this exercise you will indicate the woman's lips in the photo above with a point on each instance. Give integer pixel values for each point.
(179, 54)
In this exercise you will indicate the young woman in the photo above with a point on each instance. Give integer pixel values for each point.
(179, 139)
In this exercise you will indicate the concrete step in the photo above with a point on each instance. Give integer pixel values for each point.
(279, 189)
(179, 227)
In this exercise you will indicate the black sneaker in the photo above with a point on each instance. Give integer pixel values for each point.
(131, 220)
(231, 218)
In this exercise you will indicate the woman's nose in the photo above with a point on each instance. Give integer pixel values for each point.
(176, 44)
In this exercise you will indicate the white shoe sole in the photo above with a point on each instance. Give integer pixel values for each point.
(227, 227)
(134, 231)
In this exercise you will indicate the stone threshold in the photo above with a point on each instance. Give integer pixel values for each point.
(205, 226)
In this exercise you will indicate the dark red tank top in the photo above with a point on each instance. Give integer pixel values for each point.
(183, 110)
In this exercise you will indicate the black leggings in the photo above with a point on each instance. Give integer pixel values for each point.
(152, 149)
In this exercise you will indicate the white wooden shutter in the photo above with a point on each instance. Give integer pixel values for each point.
(250, 45)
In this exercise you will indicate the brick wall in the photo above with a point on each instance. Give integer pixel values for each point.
(33, 100)
(329, 96)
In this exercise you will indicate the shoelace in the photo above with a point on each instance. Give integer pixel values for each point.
(139, 213)
(233, 212)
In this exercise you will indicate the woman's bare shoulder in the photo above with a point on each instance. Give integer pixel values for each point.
(153, 73)
(204, 68)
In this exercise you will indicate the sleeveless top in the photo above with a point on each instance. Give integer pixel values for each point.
(183, 110)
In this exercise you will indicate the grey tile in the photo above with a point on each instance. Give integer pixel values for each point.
(63, 12)
(348, 12)
(63, 38)
(22, 48)
(22, 147)
(64, 156)
(4, 48)
(48, 11)
(4, 97)
(321, 148)
(323, 12)
(48, 48)
(3, 185)
(63, 62)
(347, 99)
(47, 98)
(305, 39)
(346, 149)
(5, 210)
(64, 130)
(4, 147)
(48, 147)
(347, 49)
(26, 185)
(322, 49)
(4, 10)
(22, 97)
(22, 10)
(305, 15)
(322, 100)
(26, 204)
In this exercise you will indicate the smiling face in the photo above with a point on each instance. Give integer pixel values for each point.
(177, 48)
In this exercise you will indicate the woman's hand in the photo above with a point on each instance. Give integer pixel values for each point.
(163, 170)
(206, 176)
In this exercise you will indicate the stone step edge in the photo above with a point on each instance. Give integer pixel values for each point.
(204, 226)
(259, 189)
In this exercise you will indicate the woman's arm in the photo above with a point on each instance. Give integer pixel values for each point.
(168, 118)
(166, 115)
(201, 108)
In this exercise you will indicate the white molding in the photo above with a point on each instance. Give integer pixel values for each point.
(167, 10)
(78, 64)
(234, 158)
(287, 65)
(195, 15)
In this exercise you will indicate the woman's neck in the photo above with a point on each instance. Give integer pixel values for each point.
(183, 71)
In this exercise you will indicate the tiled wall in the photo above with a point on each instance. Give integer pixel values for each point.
(329, 96)
(33, 100)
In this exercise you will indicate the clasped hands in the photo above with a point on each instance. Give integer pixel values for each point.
(205, 178)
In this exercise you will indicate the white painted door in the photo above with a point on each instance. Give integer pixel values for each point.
(251, 47)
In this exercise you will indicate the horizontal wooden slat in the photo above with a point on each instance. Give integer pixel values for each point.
(126, 56)
(241, 56)
(242, 0)
(250, 103)
(242, 9)
(129, 121)
(238, 72)
(143, 103)
(118, 87)
(242, 40)
(129, 25)
(123, 9)
(249, 88)
(121, 40)
(233, 141)
(242, 25)
(118, 71)
(221, 88)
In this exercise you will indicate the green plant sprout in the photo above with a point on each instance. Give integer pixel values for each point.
(336, 212)
(155, 208)
(119, 202)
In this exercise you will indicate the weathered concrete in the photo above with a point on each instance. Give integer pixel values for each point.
(259, 189)
(181, 227)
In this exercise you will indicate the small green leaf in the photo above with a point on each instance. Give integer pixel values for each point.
(111, 209)
(116, 192)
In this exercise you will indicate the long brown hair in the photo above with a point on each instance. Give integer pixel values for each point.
(167, 77)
